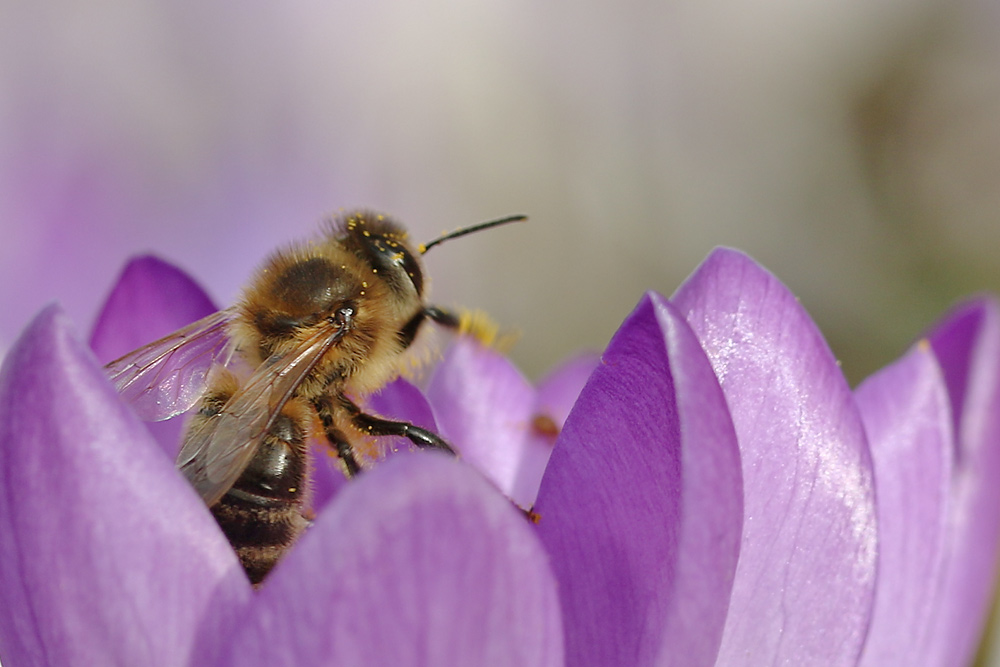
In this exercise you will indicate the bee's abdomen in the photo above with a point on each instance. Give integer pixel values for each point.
(262, 514)
(260, 530)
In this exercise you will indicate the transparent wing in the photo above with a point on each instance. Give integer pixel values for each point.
(218, 450)
(168, 376)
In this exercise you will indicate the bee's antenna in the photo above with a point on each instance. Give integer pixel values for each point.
(468, 230)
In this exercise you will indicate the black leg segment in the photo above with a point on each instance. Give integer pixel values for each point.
(345, 452)
(324, 408)
(421, 437)
(443, 317)
(438, 315)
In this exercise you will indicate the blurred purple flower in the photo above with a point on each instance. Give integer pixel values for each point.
(716, 495)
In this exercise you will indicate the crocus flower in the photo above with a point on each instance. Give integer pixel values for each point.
(109, 558)
(716, 495)
(672, 548)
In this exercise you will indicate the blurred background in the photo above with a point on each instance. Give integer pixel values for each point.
(852, 147)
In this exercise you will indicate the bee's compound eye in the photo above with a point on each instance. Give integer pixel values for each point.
(402, 260)
(409, 265)
(395, 261)
(382, 244)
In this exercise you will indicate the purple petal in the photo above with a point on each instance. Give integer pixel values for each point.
(108, 556)
(418, 562)
(967, 345)
(150, 300)
(640, 507)
(558, 391)
(804, 586)
(403, 401)
(554, 399)
(484, 407)
(908, 421)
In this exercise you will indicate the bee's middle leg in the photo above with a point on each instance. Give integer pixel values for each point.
(339, 442)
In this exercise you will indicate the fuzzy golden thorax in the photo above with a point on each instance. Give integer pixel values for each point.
(297, 295)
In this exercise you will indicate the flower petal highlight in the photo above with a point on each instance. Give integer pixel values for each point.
(484, 406)
(806, 576)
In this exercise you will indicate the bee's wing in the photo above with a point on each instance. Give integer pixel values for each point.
(218, 450)
(168, 376)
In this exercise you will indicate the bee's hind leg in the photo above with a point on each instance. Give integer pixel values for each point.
(421, 437)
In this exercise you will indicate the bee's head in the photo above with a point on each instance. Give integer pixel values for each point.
(362, 277)
(362, 283)
(383, 244)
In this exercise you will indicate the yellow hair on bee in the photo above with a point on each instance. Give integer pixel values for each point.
(482, 327)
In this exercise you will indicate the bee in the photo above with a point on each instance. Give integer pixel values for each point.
(320, 326)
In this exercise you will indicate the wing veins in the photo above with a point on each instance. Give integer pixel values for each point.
(159, 389)
(215, 455)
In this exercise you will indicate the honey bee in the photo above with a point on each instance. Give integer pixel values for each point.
(320, 326)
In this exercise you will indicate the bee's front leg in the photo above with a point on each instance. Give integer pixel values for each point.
(443, 317)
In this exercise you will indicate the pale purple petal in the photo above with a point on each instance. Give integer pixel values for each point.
(908, 421)
(108, 557)
(417, 562)
(804, 586)
(150, 300)
(484, 407)
(640, 507)
(558, 391)
(967, 345)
